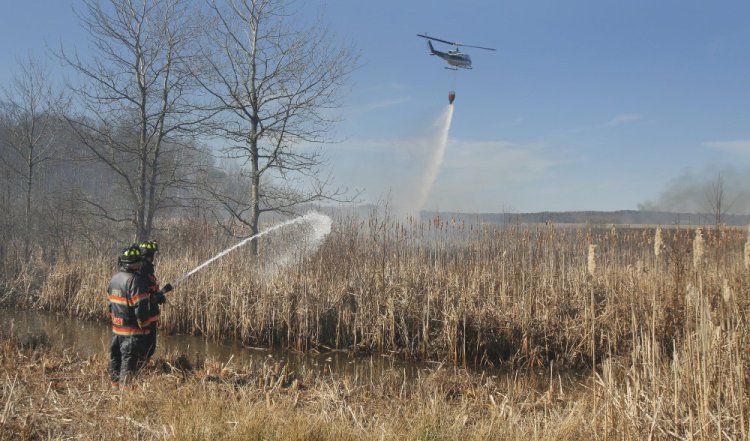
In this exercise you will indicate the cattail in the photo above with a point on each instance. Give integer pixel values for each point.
(691, 295)
(697, 248)
(658, 243)
(726, 291)
(592, 259)
(639, 266)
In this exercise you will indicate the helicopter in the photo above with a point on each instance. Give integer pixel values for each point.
(455, 57)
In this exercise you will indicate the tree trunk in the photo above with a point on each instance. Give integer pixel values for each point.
(254, 153)
(254, 189)
(27, 218)
(142, 233)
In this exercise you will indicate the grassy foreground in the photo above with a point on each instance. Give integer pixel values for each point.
(48, 394)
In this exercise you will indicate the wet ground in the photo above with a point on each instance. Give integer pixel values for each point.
(87, 338)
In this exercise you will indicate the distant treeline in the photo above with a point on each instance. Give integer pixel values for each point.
(620, 217)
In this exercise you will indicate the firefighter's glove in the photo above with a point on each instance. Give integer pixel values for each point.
(160, 296)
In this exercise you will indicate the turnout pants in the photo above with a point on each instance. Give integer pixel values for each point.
(126, 355)
(150, 342)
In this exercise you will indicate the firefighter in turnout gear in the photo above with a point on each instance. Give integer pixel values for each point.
(156, 296)
(129, 308)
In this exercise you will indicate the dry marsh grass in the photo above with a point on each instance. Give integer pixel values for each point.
(51, 394)
(439, 290)
(47, 394)
(660, 321)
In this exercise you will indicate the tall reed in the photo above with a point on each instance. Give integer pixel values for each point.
(591, 260)
(443, 290)
(658, 242)
(698, 248)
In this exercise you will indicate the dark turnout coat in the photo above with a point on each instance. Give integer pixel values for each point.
(129, 304)
(129, 308)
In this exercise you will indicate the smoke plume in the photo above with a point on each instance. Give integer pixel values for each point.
(695, 192)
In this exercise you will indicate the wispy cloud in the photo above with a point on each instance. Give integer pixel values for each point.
(741, 146)
(623, 118)
(359, 145)
(391, 95)
(515, 122)
(477, 175)
(472, 175)
(498, 161)
(378, 105)
(617, 120)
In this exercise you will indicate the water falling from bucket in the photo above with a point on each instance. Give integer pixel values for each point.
(320, 225)
(436, 159)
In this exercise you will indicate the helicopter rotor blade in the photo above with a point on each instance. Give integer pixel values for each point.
(438, 39)
(453, 43)
(476, 47)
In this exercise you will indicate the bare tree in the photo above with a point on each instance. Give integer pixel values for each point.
(30, 125)
(717, 198)
(136, 99)
(275, 85)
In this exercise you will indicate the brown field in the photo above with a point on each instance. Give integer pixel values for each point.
(662, 332)
(48, 394)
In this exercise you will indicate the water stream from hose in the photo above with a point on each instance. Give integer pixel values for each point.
(320, 224)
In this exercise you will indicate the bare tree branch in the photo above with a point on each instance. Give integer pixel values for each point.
(273, 85)
(30, 124)
(137, 97)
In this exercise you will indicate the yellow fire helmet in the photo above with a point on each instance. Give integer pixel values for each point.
(149, 248)
(131, 254)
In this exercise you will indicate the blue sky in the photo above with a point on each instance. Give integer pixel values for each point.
(586, 105)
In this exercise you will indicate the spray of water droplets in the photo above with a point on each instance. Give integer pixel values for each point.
(308, 232)
(435, 160)
(292, 244)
